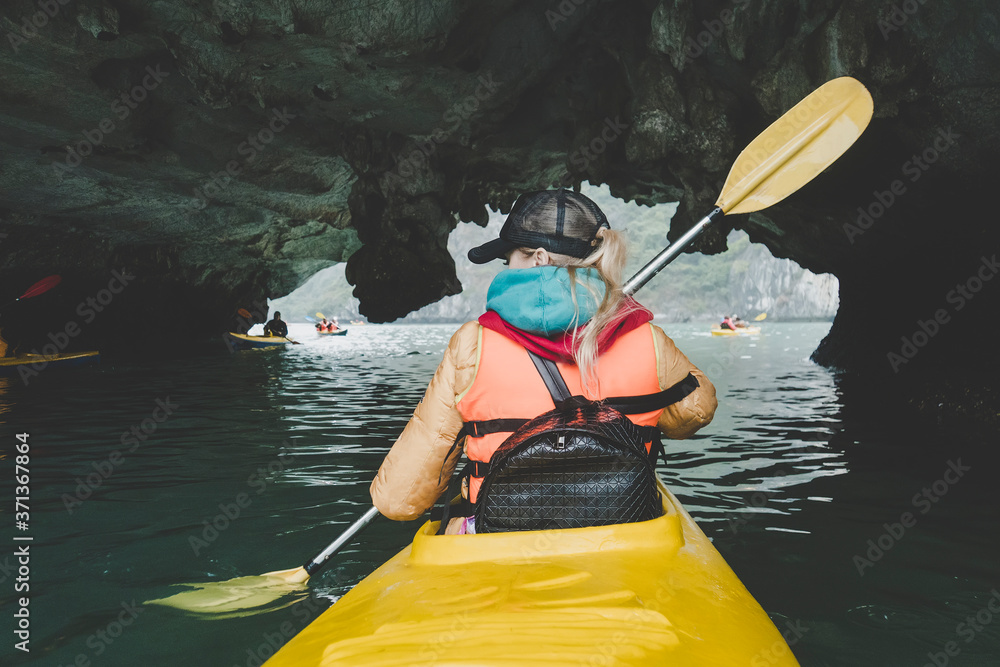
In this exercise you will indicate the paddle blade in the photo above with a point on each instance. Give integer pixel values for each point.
(244, 313)
(243, 596)
(762, 316)
(321, 316)
(42, 286)
(797, 146)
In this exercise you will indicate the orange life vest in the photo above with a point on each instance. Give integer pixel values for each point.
(508, 387)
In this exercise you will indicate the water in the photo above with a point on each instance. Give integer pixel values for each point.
(788, 484)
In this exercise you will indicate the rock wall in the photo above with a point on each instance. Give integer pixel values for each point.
(223, 150)
(760, 283)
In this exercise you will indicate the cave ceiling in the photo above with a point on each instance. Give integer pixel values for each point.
(224, 151)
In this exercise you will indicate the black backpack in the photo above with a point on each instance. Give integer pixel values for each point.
(582, 464)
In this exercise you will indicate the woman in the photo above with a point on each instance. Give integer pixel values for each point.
(562, 299)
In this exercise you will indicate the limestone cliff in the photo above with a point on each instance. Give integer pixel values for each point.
(223, 150)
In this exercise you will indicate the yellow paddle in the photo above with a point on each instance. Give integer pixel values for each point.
(762, 316)
(245, 596)
(786, 156)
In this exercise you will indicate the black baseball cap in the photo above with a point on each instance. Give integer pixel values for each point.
(561, 221)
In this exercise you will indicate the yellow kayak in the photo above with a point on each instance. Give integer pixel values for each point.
(237, 341)
(32, 364)
(649, 593)
(744, 331)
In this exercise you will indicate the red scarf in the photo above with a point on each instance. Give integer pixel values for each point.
(630, 316)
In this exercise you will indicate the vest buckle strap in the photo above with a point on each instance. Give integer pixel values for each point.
(475, 469)
(477, 429)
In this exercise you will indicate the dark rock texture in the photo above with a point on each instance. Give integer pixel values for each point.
(359, 129)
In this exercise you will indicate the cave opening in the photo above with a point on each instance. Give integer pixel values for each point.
(745, 280)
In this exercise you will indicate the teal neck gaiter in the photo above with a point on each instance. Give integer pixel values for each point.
(538, 300)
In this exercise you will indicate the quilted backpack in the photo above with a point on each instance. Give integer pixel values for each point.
(581, 464)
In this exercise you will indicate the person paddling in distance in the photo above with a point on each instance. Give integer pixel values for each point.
(562, 299)
(276, 327)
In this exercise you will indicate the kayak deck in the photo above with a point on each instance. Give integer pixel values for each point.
(649, 593)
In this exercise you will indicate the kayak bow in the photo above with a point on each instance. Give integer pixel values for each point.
(650, 593)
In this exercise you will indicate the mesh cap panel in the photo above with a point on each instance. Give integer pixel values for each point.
(561, 221)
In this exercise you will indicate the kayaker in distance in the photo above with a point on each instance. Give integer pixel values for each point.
(327, 326)
(727, 323)
(562, 299)
(739, 322)
(276, 327)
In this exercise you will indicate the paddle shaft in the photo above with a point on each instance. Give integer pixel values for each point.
(668, 254)
(313, 566)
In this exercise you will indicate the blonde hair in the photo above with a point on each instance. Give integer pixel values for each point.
(609, 261)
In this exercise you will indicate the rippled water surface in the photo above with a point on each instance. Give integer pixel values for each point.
(788, 485)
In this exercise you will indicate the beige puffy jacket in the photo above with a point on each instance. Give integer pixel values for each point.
(410, 479)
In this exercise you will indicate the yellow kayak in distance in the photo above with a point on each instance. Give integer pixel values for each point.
(237, 341)
(35, 363)
(739, 331)
(650, 593)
